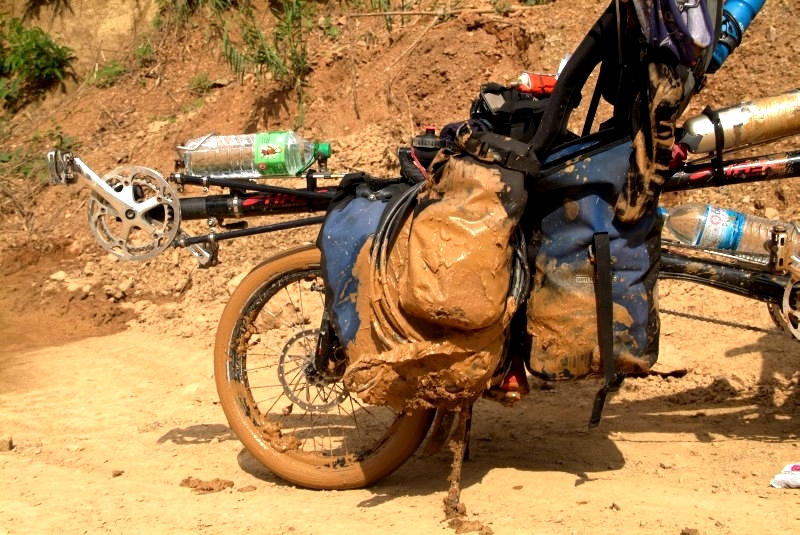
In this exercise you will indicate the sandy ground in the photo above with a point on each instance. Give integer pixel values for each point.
(106, 429)
(106, 386)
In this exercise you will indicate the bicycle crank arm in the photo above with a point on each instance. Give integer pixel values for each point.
(133, 212)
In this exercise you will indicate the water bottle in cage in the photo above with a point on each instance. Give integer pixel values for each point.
(251, 155)
(707, 226)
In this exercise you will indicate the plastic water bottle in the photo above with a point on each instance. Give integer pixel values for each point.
(251, 155)
(707, 226)
(736, 18)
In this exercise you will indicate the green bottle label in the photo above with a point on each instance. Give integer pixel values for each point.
(268, 153)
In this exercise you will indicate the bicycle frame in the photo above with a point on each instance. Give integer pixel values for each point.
(764, 278)
(736, 274)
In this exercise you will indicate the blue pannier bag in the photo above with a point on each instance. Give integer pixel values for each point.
(351, 220)
(574, 207)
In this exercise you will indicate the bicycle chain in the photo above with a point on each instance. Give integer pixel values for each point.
(715, 321)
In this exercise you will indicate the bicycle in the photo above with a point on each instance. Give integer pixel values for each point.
(277, 371)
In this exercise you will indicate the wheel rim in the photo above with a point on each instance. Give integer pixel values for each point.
(297, 410)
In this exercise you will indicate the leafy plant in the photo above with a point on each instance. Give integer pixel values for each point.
(59, 140)
(9, 91)
(145, 55)
(108, 74)
(200, 84)
(193, 105)
(176, 14)
(30, 62)
(383, 6)
(501, 6)
(245, 48)
(330, 30)
(290, 40)
(162, 118)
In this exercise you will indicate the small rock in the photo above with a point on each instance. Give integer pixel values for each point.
(204, 487)
(6, 443)
(247, 488)
(117, 473)
(90, 269)
(689, 531)
(113, 293)
(125, 286)
(58, 276)
(772, 34)
(73, 286)
(615, 507)
(235, 281)
(771, 213)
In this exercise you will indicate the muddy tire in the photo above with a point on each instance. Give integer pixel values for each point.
(302, 425)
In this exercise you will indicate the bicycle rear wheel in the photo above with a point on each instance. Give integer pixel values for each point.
(297, 420)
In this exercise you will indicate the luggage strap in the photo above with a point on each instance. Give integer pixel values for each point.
(507, 152)
(605, 326)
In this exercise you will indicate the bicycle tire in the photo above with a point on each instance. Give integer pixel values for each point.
(264, 346)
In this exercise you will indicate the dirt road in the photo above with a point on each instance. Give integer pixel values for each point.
(107, 424)
(107, 428)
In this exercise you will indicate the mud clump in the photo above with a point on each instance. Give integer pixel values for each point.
(199, 486)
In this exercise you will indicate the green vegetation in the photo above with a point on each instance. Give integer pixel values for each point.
(162, 119)
(501, 6)
(200, 84)
(30, 63)
(33, 8)
(192, 105)
(108, 74)
(176, 14)
(145, 55)
(330, 30)
(244, 47)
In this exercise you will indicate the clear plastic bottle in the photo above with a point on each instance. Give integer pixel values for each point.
(704, 225)
(251, 155)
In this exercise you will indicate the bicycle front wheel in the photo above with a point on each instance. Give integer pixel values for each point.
(298, 420)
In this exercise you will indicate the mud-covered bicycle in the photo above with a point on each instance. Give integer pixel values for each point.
(279, 369)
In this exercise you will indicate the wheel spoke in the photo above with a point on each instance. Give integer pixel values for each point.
(324, 432)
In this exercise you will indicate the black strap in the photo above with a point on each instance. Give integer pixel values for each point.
(719, 140)
(504, 151)
(592, 112)
(605, 325)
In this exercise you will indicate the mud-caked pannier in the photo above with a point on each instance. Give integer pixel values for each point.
(421, 298)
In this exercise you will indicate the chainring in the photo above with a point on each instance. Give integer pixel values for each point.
(150, 220)
(788, 316)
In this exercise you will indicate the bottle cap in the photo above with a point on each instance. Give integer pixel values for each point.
(428, 140)
(324, 149)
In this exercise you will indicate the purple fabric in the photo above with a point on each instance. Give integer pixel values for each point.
(683, 27)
